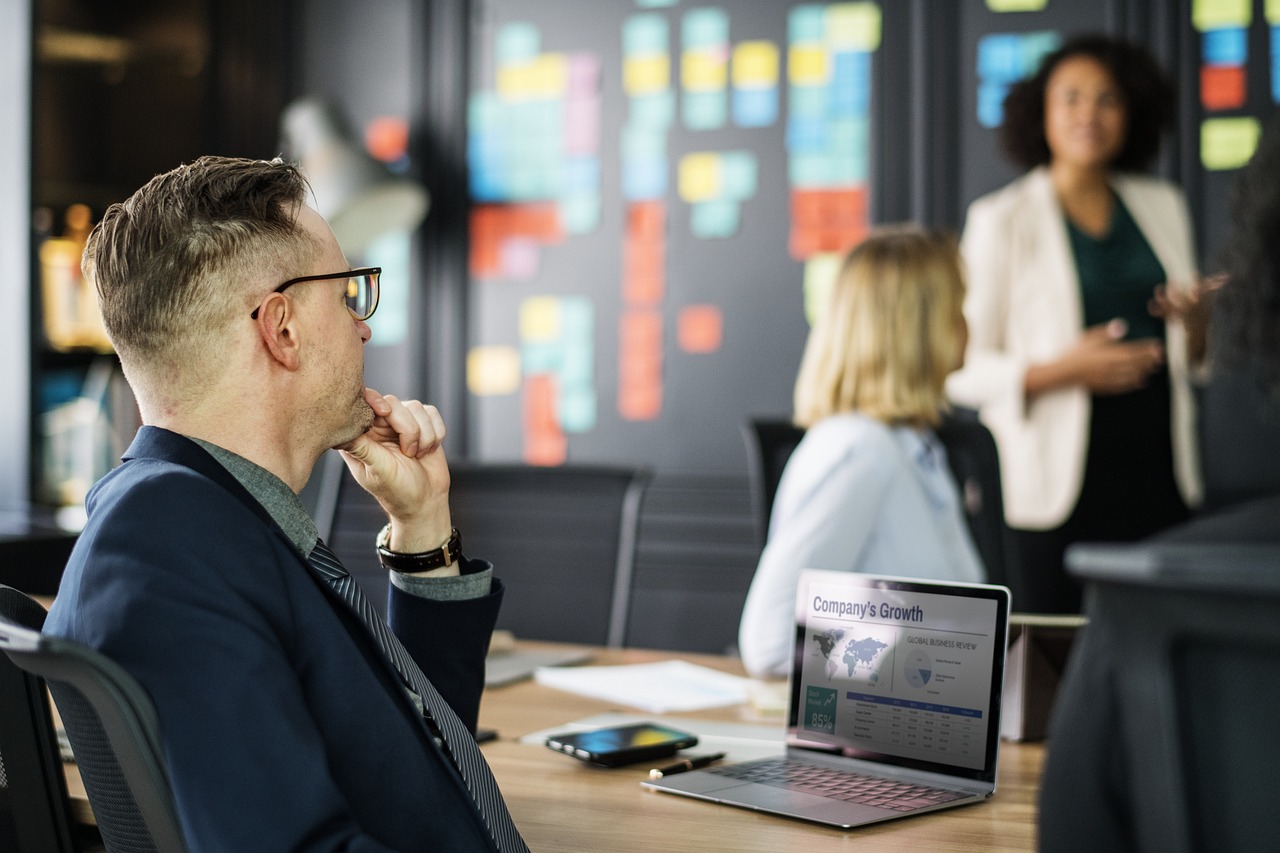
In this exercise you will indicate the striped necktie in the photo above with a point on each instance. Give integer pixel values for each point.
(458, 742)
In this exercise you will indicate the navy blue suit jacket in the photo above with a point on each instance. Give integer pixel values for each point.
(283, 726)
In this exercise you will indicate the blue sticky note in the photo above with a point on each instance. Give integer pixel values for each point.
(644, 179)
(848, 168)
(806, 135)
(991, 103)
(654, 111)
(1228, 46)
(644, 34)
(580, 175)
(517, 42)
(1001, 58)
(488, 184)
(1275, 64)
(1035, 47)
(706, 27)
(484, 111)
(714, 219)
(738, 175)
(850, 86)
(755, 107)
(704, 110)
(806, 23)
(808, 101)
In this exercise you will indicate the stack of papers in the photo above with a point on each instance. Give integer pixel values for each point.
(658, 688)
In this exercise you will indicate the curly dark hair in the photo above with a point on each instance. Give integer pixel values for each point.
(1149, 100)
(1246, 321)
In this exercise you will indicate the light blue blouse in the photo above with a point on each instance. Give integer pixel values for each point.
(857, 495)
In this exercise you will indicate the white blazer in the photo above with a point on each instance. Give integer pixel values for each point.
(1024, 307)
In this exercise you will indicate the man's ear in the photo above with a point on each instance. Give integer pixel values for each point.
(278, 326)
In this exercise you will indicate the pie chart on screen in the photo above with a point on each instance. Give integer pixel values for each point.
(918, 669)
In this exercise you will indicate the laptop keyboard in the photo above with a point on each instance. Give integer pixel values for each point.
(838, 784)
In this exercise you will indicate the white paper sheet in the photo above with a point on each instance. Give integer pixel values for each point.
(658, 688)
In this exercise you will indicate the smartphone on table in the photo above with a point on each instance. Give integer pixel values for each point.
(613, 746)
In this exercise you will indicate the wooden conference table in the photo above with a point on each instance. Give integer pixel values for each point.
(563, 805)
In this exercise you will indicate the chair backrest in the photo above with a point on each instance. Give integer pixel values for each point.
(34, 813)
(1194, 631)
(561, 538)
(971, 455)
(114, 734)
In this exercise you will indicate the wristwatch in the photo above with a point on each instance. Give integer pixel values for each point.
(446, 555)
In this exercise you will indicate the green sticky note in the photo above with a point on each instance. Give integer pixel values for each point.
(808, 101)
(576, 319)
(705, 110)
(737, 175)
(644, 34)
(820, 273)
(580, 214)
(1228, 143)
(641, 143)
(706, 27)
(810, 171)
(576, 409)
(1271, 11)
(577, 365)
(1017, 5)
(1219, 14)
(713, 219)
(654, 111)
(806, 23)
(517, 42)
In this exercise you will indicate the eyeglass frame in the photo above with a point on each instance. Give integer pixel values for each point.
(371, 272)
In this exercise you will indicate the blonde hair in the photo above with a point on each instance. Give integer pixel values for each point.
(891, 332)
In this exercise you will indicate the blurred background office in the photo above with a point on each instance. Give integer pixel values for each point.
(634, 205)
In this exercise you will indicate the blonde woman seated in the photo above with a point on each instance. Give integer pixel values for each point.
(868, 489)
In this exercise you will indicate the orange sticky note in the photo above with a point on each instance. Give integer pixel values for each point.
(700, 328)
(1222, 87)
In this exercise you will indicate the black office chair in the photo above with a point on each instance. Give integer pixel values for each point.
(561, 538)
(971, 455)
(35, 816)
(114, 734)
(1194, 632)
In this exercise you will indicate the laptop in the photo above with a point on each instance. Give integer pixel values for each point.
(894, 704)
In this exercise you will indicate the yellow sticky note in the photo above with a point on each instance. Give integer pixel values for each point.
(517, 81)
(646, 74)
(853, 26)
(699, 178)
(1217, 14)
(820, 272)
(755, 65)
(1228, 143)
(539, 319)
(806, 65)
(703, 71)
(1017, 5)
(550, 75)
(493, 371)
(1271, 11)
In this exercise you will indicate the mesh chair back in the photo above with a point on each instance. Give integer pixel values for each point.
(114, 733)
(561, 538)
(34, 813)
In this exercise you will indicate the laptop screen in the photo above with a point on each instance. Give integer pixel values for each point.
(899, 671)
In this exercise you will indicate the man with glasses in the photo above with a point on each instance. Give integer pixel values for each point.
(292, 718)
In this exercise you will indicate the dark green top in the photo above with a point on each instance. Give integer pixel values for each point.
(1118, 274)
(1128, 479)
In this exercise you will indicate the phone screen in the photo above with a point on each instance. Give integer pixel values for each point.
(615, 745)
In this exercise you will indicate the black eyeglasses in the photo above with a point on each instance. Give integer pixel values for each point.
(362, 289)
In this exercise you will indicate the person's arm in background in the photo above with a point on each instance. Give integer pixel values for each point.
(826, 528)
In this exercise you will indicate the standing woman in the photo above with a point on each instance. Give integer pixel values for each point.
(1084, 316)
(868, 489)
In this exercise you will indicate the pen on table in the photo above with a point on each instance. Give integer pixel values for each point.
(693, 762)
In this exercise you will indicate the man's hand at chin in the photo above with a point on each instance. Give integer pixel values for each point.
(400, 460)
